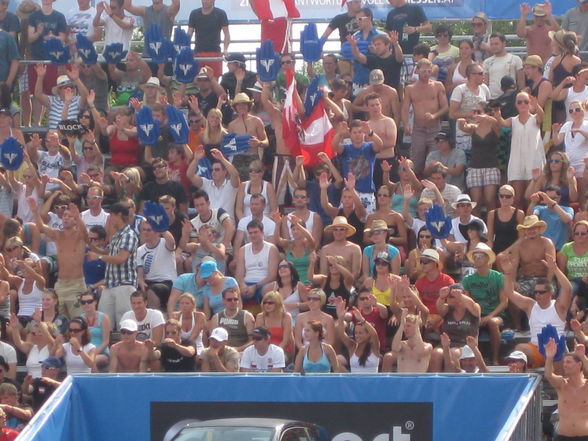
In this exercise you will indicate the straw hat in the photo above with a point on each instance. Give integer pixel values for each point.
(62, 81)
(539, 10)
(377, 225)
(464, 199)
(532, 222)
(152, 82)
(482, 248)
(341, 221)
(242, 97)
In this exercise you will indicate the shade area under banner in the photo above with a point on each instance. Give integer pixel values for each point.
(325, 10)
(339, 407)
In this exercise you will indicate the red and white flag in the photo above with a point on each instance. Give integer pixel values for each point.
(290, 115)
(271, 9)
(316, 135)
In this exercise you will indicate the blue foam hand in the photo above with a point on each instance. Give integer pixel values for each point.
(12, 154)
(154, 44)
(114, 53)
(57, 52)
(233, 144)
(437, 223)
(268, 62)
(177, 123)
(181, 39)
(310, 45)
(86, 49)
(147, 128)
(313, 95)
(156, 216)
(204, 168)
(548, 332)
(186, 66)
(169, 51)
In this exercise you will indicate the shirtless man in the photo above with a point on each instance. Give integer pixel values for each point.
(429, 104)
(247, 124)
(527, 254)
(571, 389)
(350, 252)
(388, 97)
(412, 354)
(71, 247)
(385, 127)
(128, 355)
(282, 170)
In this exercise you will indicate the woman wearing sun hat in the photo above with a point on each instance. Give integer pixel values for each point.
(378, 234)
(564, 46)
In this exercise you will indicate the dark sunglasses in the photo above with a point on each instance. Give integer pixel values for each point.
(505, 196)
(576, 109)
(522, 101)
(126, 332)
(86, 302)
(75, 330)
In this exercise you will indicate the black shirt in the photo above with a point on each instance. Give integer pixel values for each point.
(207, 102)
(176, 227)
(345, 24)
(152, 191)
(173, 361)
(389, 66)
(207, 28)
(407, 15)
(229, 83)
(10, 23)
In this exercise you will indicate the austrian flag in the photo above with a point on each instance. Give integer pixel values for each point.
(272, 9)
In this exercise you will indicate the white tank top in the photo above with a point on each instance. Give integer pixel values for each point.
(247, 199)
(256, 265)
(574, 96)
(185, 335)
(34, 359)
(458, 78)
(27, 303)
(539, 318)
(371, 364)
(309, 222)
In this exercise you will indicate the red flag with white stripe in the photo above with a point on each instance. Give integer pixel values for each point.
(316, 135)
(271, 9)
(290, 115)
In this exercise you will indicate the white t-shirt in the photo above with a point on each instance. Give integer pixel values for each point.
(274, 357)
(497, 67)
(56, 224)
(158, 263)
(80, 22)
(576, 146)
(113, 33)
(153, 319)
(221, 197)
(90, 220)
(50, 165)
(269, 227)
(8, 352)
(74, 363)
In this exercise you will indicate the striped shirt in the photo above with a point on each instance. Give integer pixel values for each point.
(125, 273)
(56, 105)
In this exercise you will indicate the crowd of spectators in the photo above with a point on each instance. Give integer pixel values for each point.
(446, 208)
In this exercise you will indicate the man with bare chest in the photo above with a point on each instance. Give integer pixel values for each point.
(247, 124)
(412, 354)
(128, 355)
(71, 247)
(350, 252)
(388, 96)
(385, 128)
(429, 104)
(572, 393)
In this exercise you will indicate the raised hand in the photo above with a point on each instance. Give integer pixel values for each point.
(178, 125)
(310, 45)
(86, 49)
(268, 62)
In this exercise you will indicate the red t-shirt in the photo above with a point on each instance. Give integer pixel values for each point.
(8, 434)
(429, 290)
(374, 319)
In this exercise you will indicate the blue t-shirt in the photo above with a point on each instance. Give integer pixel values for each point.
(94, 271)
(187, 283)
(54, 24)
(361, 73)
(360, 162)
(215, 301)
(367, 252)
(557, 231)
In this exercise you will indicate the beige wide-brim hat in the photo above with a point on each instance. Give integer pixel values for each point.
(464, 199)
(482, 248)
(531, 222)
(338, 222)
(377, 225)
(62, 81)
(242, 97)
(152, 82)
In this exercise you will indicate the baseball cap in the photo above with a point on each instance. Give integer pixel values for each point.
(129, 325)
(376, 77)
(466, 352)
(517, 355)
(261, 331)
(207, 269)
(219, 334)
(507, 82)
(52, 362)
(442, 136)
(235, 57)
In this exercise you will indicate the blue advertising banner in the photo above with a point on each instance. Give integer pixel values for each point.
(143, 407)
(324, 10)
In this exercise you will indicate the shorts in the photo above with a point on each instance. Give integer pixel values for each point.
(51, 262)
(216, 66)
(276, 30)
(537, 358)
(49, 80)
(282, 176)
(70, 289)
(481, 177)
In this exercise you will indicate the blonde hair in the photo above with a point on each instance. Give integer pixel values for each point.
(319, 292)
(188, 296)
(508, 188)
(134, 175)
(208, 137)
(277, 298)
